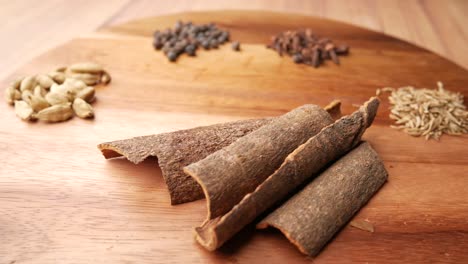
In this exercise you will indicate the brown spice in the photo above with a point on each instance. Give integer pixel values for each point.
(312, 216)
(302, 164)
(236, 46)
(188, 37)
(305, 47)
(178, 149)
(229, 174)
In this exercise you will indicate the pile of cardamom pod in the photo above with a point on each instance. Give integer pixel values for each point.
(58, 95)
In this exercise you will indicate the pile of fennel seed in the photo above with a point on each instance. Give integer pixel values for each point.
(426, 112)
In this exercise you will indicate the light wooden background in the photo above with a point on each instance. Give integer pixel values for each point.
(28, 28)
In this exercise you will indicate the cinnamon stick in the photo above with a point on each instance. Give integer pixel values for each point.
(300, 165)
(312, 216)
(227, 175)
(178, 149)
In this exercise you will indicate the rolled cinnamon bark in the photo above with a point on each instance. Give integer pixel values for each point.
(300, 165)
(227, 175)
(178, 149)
(312, 216)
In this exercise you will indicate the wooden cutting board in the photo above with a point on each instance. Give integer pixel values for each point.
(62, 202)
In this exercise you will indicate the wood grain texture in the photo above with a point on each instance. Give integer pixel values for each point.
(60, 201)
(30, 28)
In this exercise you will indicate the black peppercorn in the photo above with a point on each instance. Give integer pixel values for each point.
(236, 45)
(178, 26)
(205, 44)
(157, 43)
(172, 55)
(222, 39)
(214, 44)
(182, 43)
(187, 38)
(227, 35)
(190, 50)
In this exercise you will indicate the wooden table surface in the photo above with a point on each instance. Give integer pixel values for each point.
(29, 28)
(61, 202)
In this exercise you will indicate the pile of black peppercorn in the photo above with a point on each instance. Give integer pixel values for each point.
(305, 47)
(187, 38)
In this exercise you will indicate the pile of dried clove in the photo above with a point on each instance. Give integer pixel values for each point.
(305, 47)
(187, 38)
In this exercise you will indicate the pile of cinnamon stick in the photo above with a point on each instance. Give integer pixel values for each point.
(246, 168)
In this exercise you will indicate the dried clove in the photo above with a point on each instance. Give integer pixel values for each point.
(306, 47)
(342, 50)
(330, 49)
(297, 58)
(316, 57)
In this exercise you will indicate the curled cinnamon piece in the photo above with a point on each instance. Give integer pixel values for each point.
(227, 175)
(178, 149)
(299, 165)
(312, 216)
